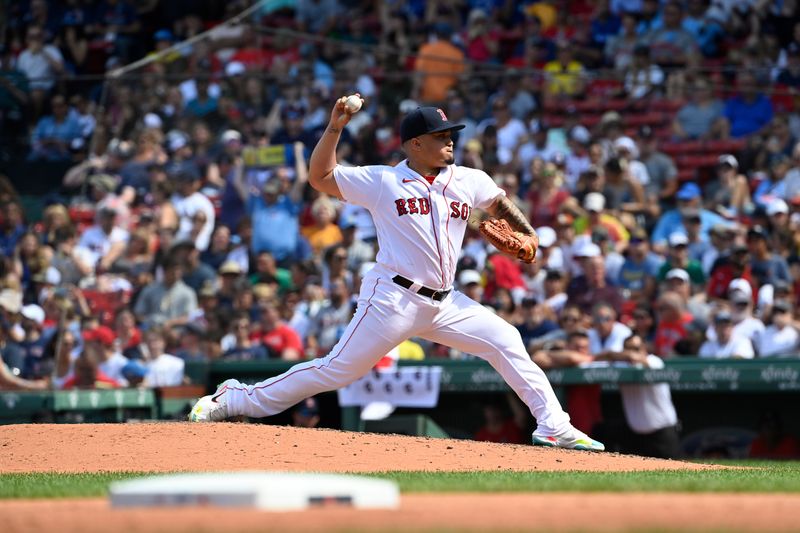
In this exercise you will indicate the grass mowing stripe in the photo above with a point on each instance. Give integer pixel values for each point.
(768, 477)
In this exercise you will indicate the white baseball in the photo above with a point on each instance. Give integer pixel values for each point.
(353, 103)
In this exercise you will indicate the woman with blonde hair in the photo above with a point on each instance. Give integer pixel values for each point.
(324, 232)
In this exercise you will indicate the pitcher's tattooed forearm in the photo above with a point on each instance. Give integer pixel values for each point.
(334, 130)
(505, 208)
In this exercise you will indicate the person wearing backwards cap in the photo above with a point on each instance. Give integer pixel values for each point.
(689, 196)
(421, 208)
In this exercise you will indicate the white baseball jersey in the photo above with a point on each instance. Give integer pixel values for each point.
(420, 228)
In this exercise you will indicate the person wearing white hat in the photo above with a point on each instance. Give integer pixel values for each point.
(594, 203)
(35, 365)
(678, 257)
(627, 151)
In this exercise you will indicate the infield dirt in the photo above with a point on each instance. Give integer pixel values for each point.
(159, 447)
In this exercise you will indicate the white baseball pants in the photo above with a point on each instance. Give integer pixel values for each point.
(389, 314)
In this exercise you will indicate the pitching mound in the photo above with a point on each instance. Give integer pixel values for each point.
(162, 447)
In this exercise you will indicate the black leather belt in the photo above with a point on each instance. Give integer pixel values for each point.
(424, 291)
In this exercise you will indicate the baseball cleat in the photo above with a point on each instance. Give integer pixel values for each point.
(214, 407)
(571, 439)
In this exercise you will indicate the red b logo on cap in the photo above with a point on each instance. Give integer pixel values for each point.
(441, 114)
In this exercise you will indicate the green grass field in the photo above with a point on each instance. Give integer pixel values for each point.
(759, 477)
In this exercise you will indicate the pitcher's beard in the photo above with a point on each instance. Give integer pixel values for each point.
(449, 160)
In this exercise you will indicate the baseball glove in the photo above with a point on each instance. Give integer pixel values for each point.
(508, 241)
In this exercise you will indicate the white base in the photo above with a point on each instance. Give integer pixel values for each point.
(274, 491)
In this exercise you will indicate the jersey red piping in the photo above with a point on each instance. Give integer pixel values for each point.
(447, 228)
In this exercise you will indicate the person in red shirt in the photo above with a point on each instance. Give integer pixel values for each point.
(498, 427)
(726, 269)
(673, 321)
(279, 338)
(87, 374)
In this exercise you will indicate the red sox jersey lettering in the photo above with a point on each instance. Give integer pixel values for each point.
(420, 226)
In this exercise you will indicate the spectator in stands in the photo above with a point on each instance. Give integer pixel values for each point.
(586, 290)
(534, 322)
(594, 204)
(100, 341)
(661, 170)
(41, 63)
(358, 251)
(438, 67)
(244, 348)
(555, 297)
(622, 189)
(280, 340)
(191, 345)
(169, 302)
(607, 333)
(499, 427)
(565, 75)
(726, 344)
(219, 248)
(325, 232)
(673, 318)
(729, 194)
(86, 373)
(766, 266)
(740, 303)
(734, 265)
(638, 273)
(774, 187)
(54, 133)
(128, 335)
(750, 111)
(781, 337)
(670, 44)
(329, 324)
(648, 409)
(195, 273)
(37, 364)
(702, 116)
(643, 78)
(480, 39)
(678, 257)
(688, 197)
(268, 209)
(546, 196)
(317, 16)
(12, 227)
(105, 242)
(14, 99)
(188, 201)
(619, 48)
(306, 414)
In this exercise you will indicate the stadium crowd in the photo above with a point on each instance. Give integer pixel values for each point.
(652, 144)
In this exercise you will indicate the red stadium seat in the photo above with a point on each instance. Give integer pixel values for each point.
(676, 149)
(665, 105)
(726, 146)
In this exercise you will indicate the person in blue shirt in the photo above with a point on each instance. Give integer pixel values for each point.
(749, 111)
(688, 197)
(639, 271)
(54, 133)
(774, 187)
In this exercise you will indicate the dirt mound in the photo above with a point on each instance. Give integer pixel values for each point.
(161, 447)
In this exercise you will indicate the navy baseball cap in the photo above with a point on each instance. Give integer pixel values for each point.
(426, 120)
